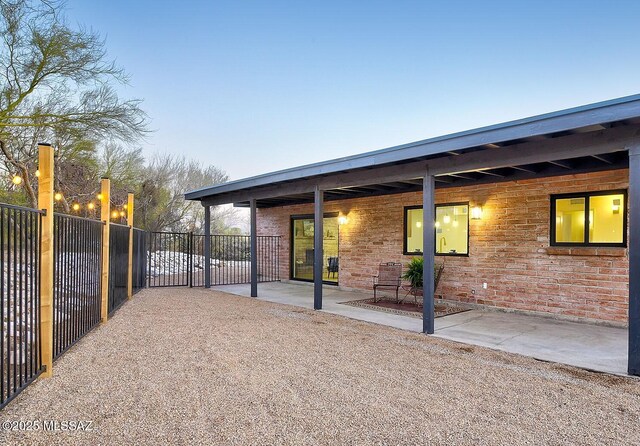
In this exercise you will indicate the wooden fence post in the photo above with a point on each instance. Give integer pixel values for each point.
(45, 203)
(105, 216)
(130, 223)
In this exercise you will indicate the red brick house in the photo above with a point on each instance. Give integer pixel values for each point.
(535, 215)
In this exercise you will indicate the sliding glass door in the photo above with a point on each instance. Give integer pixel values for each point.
(302, 252)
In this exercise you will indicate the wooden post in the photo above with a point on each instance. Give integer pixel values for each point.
(105, 215)
(45, 203)
(130, 223)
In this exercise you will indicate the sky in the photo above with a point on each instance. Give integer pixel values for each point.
(252, 87)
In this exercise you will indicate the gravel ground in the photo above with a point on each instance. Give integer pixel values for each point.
(189, 366)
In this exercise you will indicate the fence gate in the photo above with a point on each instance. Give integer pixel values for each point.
(177, 259)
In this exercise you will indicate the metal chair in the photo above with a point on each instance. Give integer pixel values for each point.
(389, 277)
(332, 267)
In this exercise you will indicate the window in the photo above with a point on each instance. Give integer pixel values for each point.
(451, 229)
(605, 223)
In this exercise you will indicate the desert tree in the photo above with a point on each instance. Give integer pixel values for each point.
(57, 84)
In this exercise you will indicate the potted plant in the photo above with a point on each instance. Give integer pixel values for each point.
(414, 272)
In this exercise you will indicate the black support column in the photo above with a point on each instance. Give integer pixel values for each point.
(207, 246)
(318, 263)
(634, 260)
(428, 251)
(254, 250)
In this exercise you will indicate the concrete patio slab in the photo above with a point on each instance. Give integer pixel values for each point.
(583, 345)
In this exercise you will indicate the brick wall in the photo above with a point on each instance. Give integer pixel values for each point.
(508, 248)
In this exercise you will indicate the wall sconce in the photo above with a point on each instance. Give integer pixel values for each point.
(343, 220)
(476, 213)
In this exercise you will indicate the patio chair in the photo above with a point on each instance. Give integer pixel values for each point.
(332, 267)
(389, 277)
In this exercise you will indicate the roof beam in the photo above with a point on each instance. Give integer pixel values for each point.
(566, 147)
(488, 172)
(602, 158)
(562, 164)
(523, 169)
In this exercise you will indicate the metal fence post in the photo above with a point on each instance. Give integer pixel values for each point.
(45, 202)
(190, 265)
(130, 223)
(105, 216)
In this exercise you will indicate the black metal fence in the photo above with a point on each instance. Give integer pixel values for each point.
(177, 259)
(139, 259)
(20, 355)
(170, 259)
(118, 265)
(77, 277)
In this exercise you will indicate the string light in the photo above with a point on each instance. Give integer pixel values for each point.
(17, 180)
(100, 197)
(57, 196)
(122, 213)
(114, 214)
(91, 206)
(37, 174)
(75, 207)
(124, 207)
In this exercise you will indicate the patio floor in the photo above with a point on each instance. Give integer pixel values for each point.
(593, 347)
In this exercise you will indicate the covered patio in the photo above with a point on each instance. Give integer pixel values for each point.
(595, 138)
(593, 347)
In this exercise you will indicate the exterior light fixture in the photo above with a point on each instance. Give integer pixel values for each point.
(57, 196)
(17, 180)
(91, 206)
(342, 220)
(476, 213)
(75, 207)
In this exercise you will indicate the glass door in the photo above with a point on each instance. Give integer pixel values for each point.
(302, 252)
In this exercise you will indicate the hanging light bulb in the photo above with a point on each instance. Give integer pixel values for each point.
(17, 180)
(124, 207)
(446, 219)
(37, 174)
(57, 196)
(114, 214)
(91, 206)
(75, 207)
(100, 197)
(122, 213)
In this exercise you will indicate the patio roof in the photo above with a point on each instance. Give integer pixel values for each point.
(582, 139)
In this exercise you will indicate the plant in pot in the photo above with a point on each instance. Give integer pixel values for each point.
(414, 272)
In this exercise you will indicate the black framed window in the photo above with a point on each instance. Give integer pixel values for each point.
(589, 219)
(451, 230)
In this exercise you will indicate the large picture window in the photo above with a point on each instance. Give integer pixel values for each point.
(451, 229)
(589, 219)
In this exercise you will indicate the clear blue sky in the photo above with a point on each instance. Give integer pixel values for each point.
(254, 87)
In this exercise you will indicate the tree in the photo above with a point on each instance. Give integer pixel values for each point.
(56, 84)
(161, 204)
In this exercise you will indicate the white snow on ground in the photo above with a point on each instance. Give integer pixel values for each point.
(172, 262)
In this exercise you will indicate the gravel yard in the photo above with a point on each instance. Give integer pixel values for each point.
(189, 366)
